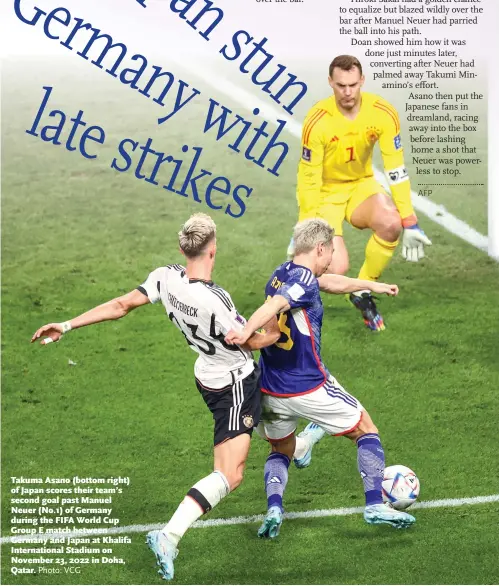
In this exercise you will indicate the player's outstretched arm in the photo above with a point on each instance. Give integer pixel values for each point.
(111, 310)
(338, 284)
(262, 316)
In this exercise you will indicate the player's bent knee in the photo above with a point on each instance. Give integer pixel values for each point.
(235, 478)
(370, 428)
(359, 432)
(365, 426)
(236, 481)
(394, 224)
(390, 226)
(286, 446)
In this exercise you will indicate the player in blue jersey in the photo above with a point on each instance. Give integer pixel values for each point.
(296, 383)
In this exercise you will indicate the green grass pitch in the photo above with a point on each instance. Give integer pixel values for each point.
(76, 233)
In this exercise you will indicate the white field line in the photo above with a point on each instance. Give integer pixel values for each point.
(343, 512)
(434, 211)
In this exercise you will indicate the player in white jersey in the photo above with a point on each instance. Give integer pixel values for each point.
(226, 375)
(202, 310)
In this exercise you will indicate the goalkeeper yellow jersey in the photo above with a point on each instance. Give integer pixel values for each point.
(336, 149)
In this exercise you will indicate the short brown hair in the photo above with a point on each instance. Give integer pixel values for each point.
(345, 62)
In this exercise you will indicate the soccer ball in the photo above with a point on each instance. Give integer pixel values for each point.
(400, 487)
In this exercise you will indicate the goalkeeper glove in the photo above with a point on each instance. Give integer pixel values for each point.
(413, 242)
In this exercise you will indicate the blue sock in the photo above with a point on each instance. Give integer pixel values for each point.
(371, 463)
(276, 478)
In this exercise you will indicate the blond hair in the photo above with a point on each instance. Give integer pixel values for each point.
(195, 234)
(309, 233)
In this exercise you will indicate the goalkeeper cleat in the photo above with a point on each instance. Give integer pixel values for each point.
(314, 433)
(165, 552)
(364, 302)
(271, 524)
(385, 513)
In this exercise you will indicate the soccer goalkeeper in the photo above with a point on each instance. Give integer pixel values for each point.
(336, 181)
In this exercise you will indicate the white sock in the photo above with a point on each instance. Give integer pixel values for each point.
(200, 499)
(303, 444)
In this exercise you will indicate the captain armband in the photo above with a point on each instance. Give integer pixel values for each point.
(398, 175)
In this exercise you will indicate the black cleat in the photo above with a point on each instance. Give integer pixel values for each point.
(365, 303)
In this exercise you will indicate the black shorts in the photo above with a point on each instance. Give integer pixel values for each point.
(236, 409)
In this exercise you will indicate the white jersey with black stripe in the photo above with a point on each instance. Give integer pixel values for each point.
(204, 313)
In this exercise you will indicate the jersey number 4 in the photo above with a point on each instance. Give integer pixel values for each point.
(202, 344)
